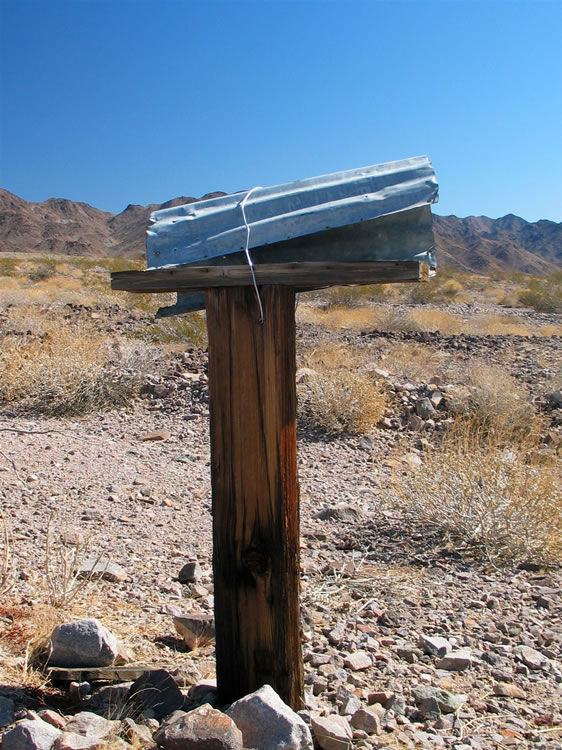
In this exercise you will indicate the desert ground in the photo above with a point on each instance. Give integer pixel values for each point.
(429, 434)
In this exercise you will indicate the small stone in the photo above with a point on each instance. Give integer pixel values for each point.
(332, 732)
(448, 702)
(74, 741)
(6, 711)
(30, 734)
(509, 690)
(204, 727)
(103, 568)
(358, 661)
(89, 724)
(429, 708)
(530, 657)
(381, 697)
(156, 691)
(83, 643)
(196, 630)
(368, 720)
(434, 645)
(52, 718)
(157, 434)
(456, 661)
(425, 409)
(267, 723)
(190, 573)
(412, 460)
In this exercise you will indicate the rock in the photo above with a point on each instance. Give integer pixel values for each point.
(157, 692)
(6, 711)
(425, 409)
(368, 720)
(434, 645)
(30, 734)
(267, 723)
(196, 630)
(412, 460)
(341, 512)
(202, 689)
(555, 400)
(157, 434)
(530, 657)
(190, 573)
(508, 690)
(89, 724)
(429, 708)
(332, 732)
(381, 697)
(74, 741)
(448, 702)
(304, 374)
(83, 643)
(204, 727)
(52, 718)
(357, 661)
(456, 661)
(101, 568)
(348, 702)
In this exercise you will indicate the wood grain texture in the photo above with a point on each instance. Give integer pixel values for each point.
(187, 278)
(255, 493)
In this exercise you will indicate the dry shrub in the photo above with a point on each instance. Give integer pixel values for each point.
(496, 400)
(428, 319)
(498, 325)
(183, 331)
(390, 318)
(498, 497)
(63, 369)
(338, 398)
(412, 360)
(543, 294)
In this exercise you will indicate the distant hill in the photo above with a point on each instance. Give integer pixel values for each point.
(62, 226)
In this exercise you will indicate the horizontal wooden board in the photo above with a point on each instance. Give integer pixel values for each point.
(310, 275)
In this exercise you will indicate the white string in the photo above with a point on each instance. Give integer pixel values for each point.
(247, 248)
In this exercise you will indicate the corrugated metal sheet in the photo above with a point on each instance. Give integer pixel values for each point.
(207, 230)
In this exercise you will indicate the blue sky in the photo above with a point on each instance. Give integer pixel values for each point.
(137, 101)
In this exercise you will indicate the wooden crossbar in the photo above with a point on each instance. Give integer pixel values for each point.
(309, 275)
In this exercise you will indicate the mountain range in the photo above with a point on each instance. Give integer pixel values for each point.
(474, 243)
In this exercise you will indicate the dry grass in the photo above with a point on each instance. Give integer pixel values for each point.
(7, 568)
(58, 368)
(338, 398)
(497, 401)
(497, 498)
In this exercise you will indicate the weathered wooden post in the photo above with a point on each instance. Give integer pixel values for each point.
(361, 227)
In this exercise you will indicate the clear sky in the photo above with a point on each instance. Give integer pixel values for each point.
(137, 101)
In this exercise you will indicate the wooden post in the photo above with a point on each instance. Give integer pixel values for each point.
(252, 398)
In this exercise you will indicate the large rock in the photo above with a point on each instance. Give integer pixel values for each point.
(267, 723)
(332, 732)
(156, 692)
(83, 643)
(30, 734)
(204, 727)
